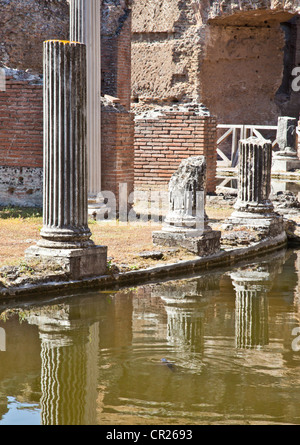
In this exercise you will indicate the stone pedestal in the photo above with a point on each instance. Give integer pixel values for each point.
(286, 159)
(85, 25)
(186, 223)
(65, 235)
(253, 209)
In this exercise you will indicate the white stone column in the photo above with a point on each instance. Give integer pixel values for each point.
(85, 19)
(286, 158)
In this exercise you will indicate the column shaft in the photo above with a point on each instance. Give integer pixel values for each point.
(65, 152)
(85, 22)
(255, 161)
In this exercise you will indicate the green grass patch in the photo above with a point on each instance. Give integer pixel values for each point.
(20, 212)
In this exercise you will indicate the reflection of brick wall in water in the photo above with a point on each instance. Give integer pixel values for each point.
(162, 142)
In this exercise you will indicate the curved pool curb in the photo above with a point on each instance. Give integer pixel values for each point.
(141, 276)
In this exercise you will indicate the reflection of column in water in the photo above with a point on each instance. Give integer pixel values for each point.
(184, 303)
(63, 382)
(251, 309)
(68, 369)
(185, 324)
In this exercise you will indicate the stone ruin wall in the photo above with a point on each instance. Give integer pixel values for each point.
(216, 52)
(226, 54)
(24, 25)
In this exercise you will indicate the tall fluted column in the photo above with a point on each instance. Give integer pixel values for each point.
(85, 22)
(65, 235)
(65, 164)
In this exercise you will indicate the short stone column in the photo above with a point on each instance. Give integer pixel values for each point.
(253, 208)
(286, 158)
(85, 24)
(186, 223)
(65, 234)
(254, 180)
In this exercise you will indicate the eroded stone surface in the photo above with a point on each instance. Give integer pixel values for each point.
(24, 25)
(186, 222)
(183, 51)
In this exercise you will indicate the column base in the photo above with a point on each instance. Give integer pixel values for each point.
(269, 225)
(205, 244)
(79, 263)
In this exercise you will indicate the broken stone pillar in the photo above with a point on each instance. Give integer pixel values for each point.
(85, 28)
(253, 208)
(65, 233)
(286, 158)
(186, 223)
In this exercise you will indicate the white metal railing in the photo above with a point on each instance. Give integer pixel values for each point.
(237, 132)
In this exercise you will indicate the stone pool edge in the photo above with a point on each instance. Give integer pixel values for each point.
(138, 277)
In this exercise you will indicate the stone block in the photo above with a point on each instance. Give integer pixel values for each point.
(79, 263)
(285, 164)
(203, 245)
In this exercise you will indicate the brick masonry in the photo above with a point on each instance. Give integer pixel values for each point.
(21, 123)
(162, 142)
(117, 149)
(21, 141)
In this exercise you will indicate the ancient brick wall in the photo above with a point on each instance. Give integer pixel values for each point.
(21, 122)
(21, 139)
(24, 27)
(117, 140)
(164, 139)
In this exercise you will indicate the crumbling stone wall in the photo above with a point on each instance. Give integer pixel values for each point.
(226, 54)
(116, 50)
(241, 73)
(24, 25)
(165, 52)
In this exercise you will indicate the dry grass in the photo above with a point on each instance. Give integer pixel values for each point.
(19, 229)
